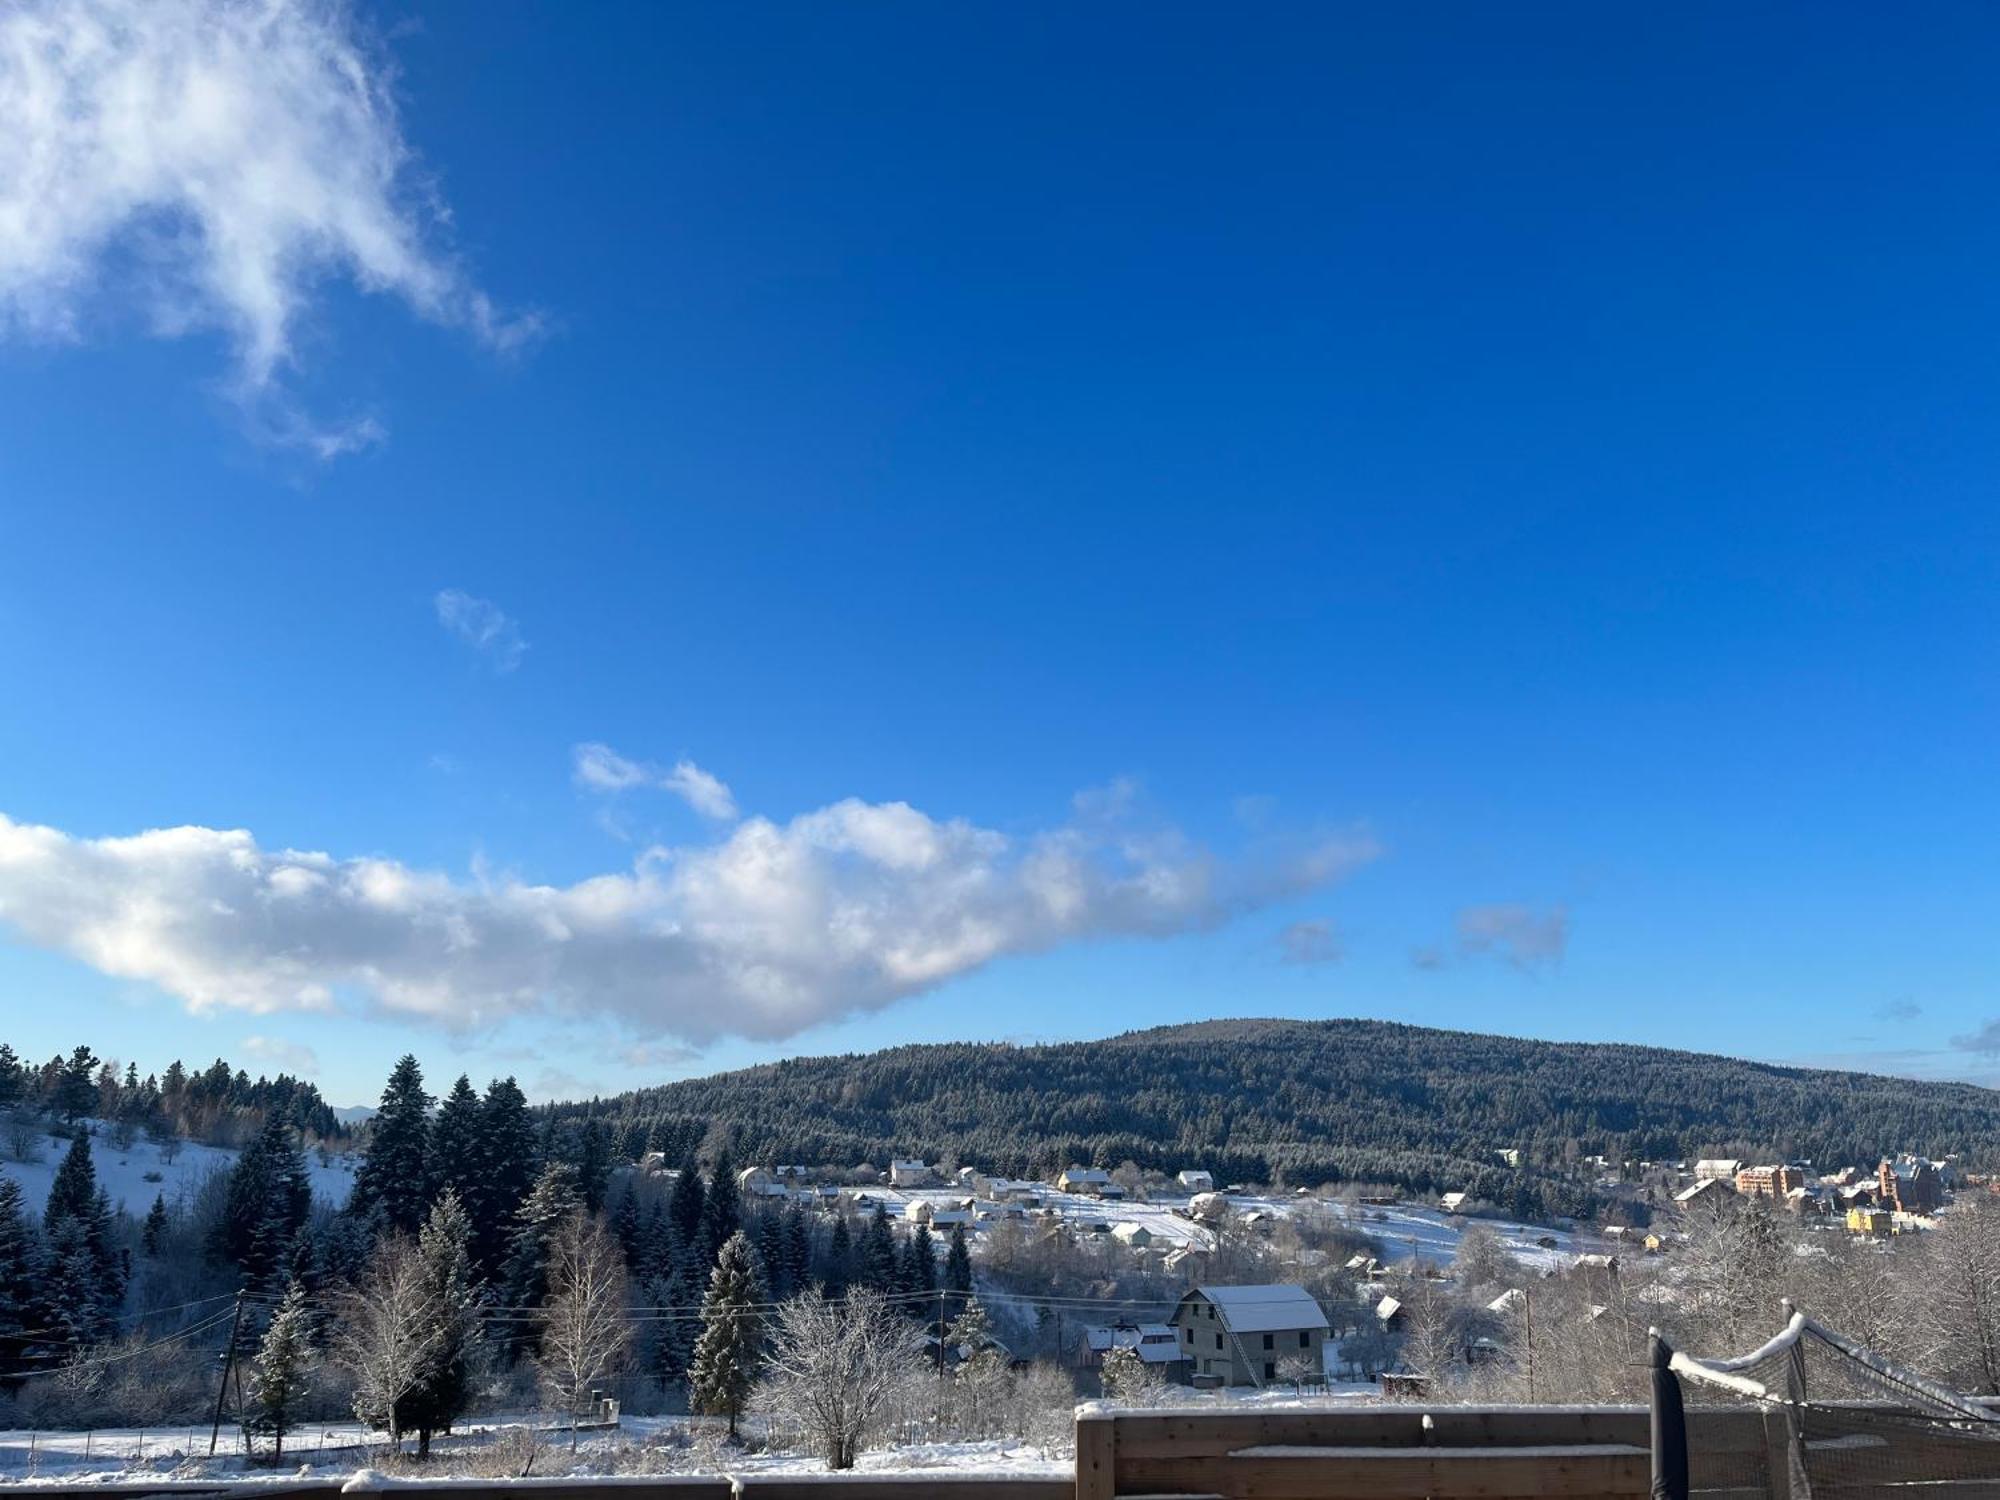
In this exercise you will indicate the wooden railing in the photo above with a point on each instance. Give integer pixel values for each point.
(1399, 1453)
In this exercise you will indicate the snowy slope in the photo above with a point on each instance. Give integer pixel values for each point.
(123, 1174)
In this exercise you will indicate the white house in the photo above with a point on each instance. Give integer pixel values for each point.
(1138, 1236)
(1092, 1180)
(910, 1174)
(1454, 1203)
(1197, 1182)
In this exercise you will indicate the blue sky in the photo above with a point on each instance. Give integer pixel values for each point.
(1475, 517)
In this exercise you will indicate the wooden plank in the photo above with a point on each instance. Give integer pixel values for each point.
(965, 1486)
(1096, 1455)
(1279, 1472)
(1190, 1434)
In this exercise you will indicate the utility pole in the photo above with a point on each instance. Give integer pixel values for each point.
(228, 1366)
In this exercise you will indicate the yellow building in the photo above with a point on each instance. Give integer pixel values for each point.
(1868, 1221)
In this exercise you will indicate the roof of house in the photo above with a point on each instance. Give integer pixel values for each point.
(1263, 1309)
(1686, 1195)
(1154, 1343)
(1507, 1301)
(1388, 1307)
(1087, 1174)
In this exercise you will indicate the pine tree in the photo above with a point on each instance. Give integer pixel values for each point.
(76, 1086)
(451, 1315)
(593, 1164)
(685, 1206)
(282, 1371)
(722, 1204)
(839, 1259)
(727, 1354)
(797, 1249)
(21, 1278)
(920, 1268)
(880, 1267)
(72, 1289)
(551, 1204)
(75, 1185)
(957, 1273)
(509, 1165)
(13, 1080)
(153, 1238)
(394, 1181)
(625, 1225)
(771, 1256)
(457, 1136)
(269, 1197)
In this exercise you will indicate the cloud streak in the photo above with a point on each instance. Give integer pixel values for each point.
(599, 768)
(770, 929)
(482, 625)
(213, 161)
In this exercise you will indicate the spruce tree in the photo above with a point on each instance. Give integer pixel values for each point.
(13, 1080)
(839, 1259)
(75, 1185)
(880, 1267)
(957, 1272)
(593, 1164)
(282, 1371)
(269, 1197)
(76, 1086)
(727, 1354)
(21, 1279)
(722, 1204)
(797, 1249)
(771, 1256)
(684, 1207)
(72, 1286)
(509, 1165)
(153, 1238)
(393, 1184)
(452, 1319)
(920, 1269)
(456, 1138)
(626, 1227)
(552, 1203)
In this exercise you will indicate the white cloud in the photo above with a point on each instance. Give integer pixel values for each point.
(482, 625)
(1526, 938)
(289, 1057)
(599, 768)
(211, 162)
(772, 928)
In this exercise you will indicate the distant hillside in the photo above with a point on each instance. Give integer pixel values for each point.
(1309, 1102)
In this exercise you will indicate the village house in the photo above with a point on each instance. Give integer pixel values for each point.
(1239, 1335)
(1868, 1221)
(1197, 1182)
(1136, 1236)
(1454, 1203)
(1707, 1192)
(1724, 1169)
(911, 1174)
(1092, 1180)
(1158, 1346)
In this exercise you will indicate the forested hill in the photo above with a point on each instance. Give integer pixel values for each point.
(1312, 1101)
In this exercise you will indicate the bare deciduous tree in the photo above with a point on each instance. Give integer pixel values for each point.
(383, 1333)
(837, 1367)
(584, 1332)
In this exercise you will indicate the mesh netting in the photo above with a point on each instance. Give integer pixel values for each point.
(1813, 1413)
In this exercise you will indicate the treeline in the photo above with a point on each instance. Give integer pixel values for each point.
(218, 1105)
(1305, 1103)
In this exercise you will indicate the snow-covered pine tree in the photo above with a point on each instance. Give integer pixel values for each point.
(797, 1249)
(593, 1164)
(394, 1182)
(550, 1204)
(684, 1207)
(920, 1269)
(451, 1316)
(282, 1370)
(771, 1256)
(957, 1273)
(726, 1355)
(626, 1226)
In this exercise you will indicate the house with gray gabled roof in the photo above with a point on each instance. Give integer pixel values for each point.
(1241, 1335)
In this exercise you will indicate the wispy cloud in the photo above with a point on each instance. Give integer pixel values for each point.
(1312, 941)
(206, 165)
(1899, 1010)
(1519, 935)
(1985, 1040)
(482, 625)
(599, 768)
(772, 928)
(289, 1057)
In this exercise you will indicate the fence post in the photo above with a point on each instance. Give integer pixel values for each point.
(1096, 1455)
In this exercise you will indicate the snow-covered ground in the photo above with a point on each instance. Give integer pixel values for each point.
(128, 1175)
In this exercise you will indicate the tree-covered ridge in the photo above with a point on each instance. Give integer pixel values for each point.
(1313, 1101)
(218, 1104)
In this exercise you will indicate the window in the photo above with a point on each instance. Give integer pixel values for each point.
(1305, 1338)
(1267, 1342)
(1218, 1341)
(1190, 1334)
(1269, 1370)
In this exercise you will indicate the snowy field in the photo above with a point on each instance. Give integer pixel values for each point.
(128, 1175)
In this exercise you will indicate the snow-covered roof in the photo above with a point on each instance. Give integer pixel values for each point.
(1154, 1343)
(1086, 1174)
(1264, 1309)
(1388, 1307)
(1507, 1301)
(1689, 1194)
